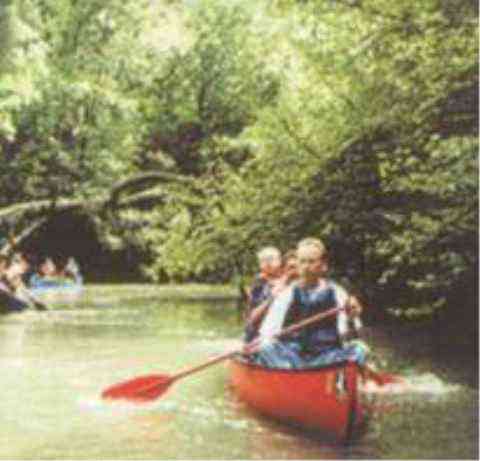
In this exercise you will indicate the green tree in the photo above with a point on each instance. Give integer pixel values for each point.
(5, 32)
(205, 95)
(370, 145)
(70, 126)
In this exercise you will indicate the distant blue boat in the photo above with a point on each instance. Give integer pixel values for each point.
(43, 286)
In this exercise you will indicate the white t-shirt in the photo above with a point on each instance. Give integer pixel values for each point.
(273, 321)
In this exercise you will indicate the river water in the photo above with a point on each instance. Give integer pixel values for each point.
(54, 365)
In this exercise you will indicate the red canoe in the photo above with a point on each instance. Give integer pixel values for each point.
(323, 399)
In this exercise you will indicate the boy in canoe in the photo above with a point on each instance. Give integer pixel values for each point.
(321, 344)
(270, 263)
(262, 291)
(288, 273)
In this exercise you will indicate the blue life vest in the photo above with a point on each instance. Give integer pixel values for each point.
(308, 302)
(260, 291)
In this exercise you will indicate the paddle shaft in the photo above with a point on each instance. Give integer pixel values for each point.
(26, 293)
(32, 299)
(255, 345)
(202, 366)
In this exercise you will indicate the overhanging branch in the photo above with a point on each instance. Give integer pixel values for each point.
(143, 179)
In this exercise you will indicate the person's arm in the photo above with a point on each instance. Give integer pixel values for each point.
(274, 319)
(355, 309)
(351, 314)
(256, 293)
(355, 306)
(342, 300)
(277, 314)
(257, 313)
(342, 326)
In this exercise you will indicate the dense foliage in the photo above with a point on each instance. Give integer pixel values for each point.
(352, 121)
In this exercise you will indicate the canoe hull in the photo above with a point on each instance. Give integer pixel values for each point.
(10, 303)
(312, 399)
(52, 290)
(72, 289)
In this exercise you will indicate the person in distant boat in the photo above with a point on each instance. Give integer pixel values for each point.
(47, 272)
(7, 298)
(71, 269)
(48, 269)
(3, 263)
(11, 282)
(16, 270)
(313, 293)
(4, 285)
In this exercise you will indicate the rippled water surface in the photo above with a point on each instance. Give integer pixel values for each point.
(54, 365)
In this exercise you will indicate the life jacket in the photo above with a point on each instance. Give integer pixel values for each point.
(308, 302)
(260, 291)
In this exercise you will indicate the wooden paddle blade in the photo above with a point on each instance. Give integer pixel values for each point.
(140, 389)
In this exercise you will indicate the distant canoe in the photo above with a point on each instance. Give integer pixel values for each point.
(11, 303)
(311, 399)
(56, 287)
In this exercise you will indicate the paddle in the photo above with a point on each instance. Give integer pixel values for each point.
(150, 387)
(26, 295)
(38, 305)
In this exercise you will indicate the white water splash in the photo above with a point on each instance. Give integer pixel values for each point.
(240, 424)
(426, 383)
